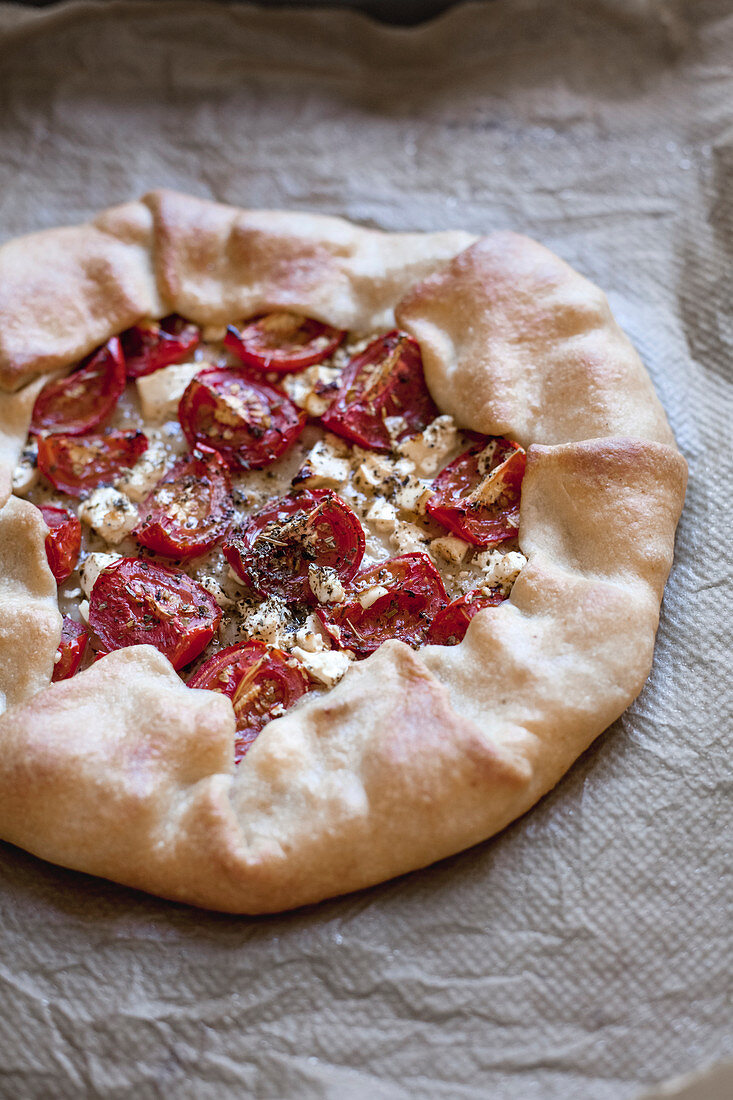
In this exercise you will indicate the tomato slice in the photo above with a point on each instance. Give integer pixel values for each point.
(189, 509)
(477, 496)
(71, 649)
(273, 550)
(262, 683)
(249, 423)
(415, 595)
(79, 402)
(63, 541)
(283, 342)
(450, 625)
(386, 379)
(137, 602)
(75, 464)
(154, 344)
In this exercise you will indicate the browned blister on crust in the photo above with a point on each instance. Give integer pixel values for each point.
(124, 772)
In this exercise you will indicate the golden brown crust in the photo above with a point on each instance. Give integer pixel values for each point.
(535, 345)
(124, 772)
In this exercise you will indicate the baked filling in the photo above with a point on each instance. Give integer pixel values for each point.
(264, 504)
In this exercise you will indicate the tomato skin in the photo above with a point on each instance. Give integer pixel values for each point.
(149, 346)
(283, 342)
(71, 647)
(250, 423)
(281, 567)
(76, 464)
(63, 541)
(450, 625)
(200, 484)
(273, 682)
(386, 379)
(138, 602)
(480, 524)
(415, 595)
(83, 399)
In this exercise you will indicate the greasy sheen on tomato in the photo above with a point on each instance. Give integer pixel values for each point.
(63, 541)
(450, 625)
(398, 598)
(71, 649)
(138, 602)
(477, 496)
(261, 681)
(84, 399)
(272, 551)
(385, 380)
(250, 423)
(190, 508)
(151, 345)
(76, 464)
(283, 342)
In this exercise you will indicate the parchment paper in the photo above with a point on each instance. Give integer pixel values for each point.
(586, 951)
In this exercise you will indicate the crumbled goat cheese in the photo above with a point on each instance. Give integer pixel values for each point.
(408, 538)
(110, 513)
(413, 495)
(313, 389)
(395, 425)
(366, 599)
(138, 482)
(214, 589)
(325, 584)
(429, 448)
(161, 391)
(325, 466)
(382, 515)
(372, 471)
(310, 636)
(92, 567)
(25, 474)
(270, 621)
(500, 570)
(450, 549)
(327, 667)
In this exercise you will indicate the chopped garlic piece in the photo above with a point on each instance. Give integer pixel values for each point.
(325, 584)
(366, 599)
(450, 549)
(110, 513)
(92, 567)
(161, 391)
(84, 610)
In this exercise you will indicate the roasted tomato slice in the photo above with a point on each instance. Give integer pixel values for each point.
(283, 342)
(135, 602)
(71, 649)
(249, 423)
(386, 380)
(189, 509)
(75, 464)
(154, 344)
(273, 550)
(398, 598)
(63, 541)
(450, 625)
(261, 682)
(79, 402)
(477, 495)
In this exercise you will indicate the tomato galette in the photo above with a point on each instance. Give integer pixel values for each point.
(324, 551)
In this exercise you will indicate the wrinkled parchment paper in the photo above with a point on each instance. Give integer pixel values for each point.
(585, 952)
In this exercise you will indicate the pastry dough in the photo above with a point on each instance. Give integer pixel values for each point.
(124, 772)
